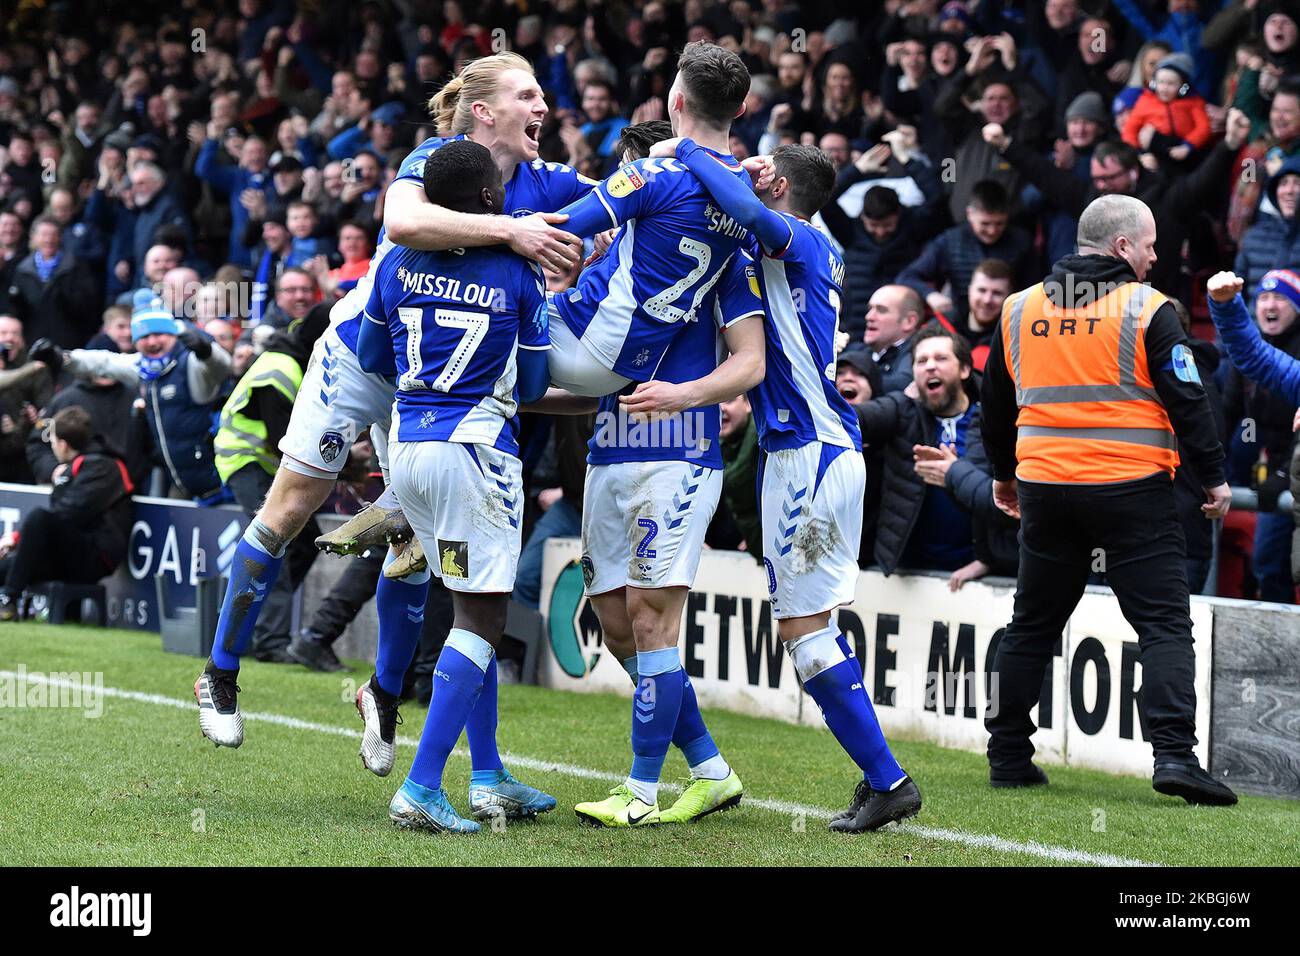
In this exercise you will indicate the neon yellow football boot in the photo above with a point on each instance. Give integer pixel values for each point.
(622, 808)
(703, 797)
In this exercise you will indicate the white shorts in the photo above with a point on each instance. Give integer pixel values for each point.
(335, 402)
(574, 367)
(465, 503)
(643, 523)
(812, 527)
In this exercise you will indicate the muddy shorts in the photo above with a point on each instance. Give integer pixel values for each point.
(336, 402)
(643, 523)
(465, 503)
(812, 527)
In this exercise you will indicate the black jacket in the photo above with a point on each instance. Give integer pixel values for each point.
(895, 364)
(65, 310)
(94, 494)
(1186, 402)
(891, 425)
(1173, 201)
(112, 416)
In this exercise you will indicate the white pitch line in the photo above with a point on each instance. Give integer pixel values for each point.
(1045, 851)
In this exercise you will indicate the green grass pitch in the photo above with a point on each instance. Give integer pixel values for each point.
(138, 785)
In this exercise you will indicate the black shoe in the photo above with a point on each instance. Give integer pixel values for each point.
(419, 690)
(274, 654)
(314, 655)
(1031, 776)
(861, 794)
(8, 607)
(1183, 777)
(880, 809)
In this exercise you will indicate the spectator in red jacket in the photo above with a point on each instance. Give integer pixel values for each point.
(1169, 119)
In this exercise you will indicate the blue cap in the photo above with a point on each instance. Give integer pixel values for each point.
(1125, 99)
(1284, 282)
(149, 315)
(388, 114)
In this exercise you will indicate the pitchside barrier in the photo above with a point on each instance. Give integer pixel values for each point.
(925, 651)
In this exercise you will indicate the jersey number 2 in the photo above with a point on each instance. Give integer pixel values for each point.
(661, 306)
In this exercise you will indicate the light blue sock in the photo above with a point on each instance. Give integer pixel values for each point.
(655, 708)
(481, 730)
(253, 571)
(834, 682)
(458, 678)
(400, 607)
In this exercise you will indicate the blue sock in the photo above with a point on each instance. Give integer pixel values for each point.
(400, 607)
(690, 736)
(253, 571)
(629, 665)
(847, 648)
(655, 707)
(834, 681)
(458, 677)
(481, 729)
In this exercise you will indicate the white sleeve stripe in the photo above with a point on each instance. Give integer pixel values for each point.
(612, 218)
(747, 315)
(373, 319)
(536, 348)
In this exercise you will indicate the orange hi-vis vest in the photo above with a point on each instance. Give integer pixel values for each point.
(1089, 412)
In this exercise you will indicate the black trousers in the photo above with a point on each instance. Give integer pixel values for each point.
(352, 590)
(356, 586)
(51, 548)
(1133, 529)
(249, 485)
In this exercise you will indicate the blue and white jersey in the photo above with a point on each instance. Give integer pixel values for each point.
(535, 187)
(797, 402)
(660, 272)
(691, 436)
(456, 319)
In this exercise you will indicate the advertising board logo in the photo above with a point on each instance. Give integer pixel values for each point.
(572, 625)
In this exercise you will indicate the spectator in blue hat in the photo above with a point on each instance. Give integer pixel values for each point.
(180, 373)
(376, 133)
(1267, 353)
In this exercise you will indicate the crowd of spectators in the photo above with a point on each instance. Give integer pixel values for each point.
(223, 163)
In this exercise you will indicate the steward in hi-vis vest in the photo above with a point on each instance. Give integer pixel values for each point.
(1090, 396)
(257, 412)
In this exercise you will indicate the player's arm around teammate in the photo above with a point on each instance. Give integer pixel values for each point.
(813, 474)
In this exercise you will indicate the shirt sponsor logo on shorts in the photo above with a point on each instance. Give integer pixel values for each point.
(331, 446)
(453, 558)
